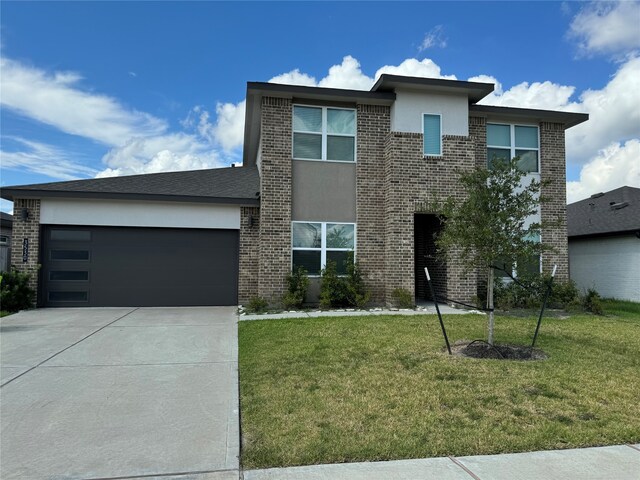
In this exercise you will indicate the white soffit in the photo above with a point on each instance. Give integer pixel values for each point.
(122, 213)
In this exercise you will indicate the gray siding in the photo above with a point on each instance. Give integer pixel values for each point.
(610, 265)
(323, 191)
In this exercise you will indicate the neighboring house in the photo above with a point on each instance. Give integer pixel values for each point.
(604, 243)
(325, 171)
(6, 226)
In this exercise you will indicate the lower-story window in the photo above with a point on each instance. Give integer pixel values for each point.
(315, 243)
(522, 266)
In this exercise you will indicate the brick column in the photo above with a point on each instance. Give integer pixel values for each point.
(553, 170)
(275, 198)
(28, 230)
(478, 133)
(373, 125)
(249, 257)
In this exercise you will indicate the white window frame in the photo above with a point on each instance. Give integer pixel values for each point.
(514, 269)
(4, 239)
(323, 249)
(325, 134)
(439, 115)
(513, 147)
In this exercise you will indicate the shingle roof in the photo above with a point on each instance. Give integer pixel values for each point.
(605, 213)
(239, 185)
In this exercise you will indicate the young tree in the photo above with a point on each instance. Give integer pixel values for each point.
(488, 227)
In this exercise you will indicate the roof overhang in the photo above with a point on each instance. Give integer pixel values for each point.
(620, 233)
(568, 119)
(257, 90)
(12, 193)
(475, 91)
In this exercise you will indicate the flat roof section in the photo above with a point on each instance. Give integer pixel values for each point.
(569, 119)
(475, 91)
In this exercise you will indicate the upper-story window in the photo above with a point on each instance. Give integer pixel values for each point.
(432, 130)
(324, 133)
(505, 142)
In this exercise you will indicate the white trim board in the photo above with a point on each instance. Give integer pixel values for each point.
(125, 213)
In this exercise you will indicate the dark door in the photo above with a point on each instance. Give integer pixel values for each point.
(141, 267)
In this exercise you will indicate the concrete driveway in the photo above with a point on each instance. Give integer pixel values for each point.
(103, 393)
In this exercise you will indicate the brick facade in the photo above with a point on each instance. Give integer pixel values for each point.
(26, 229)
(249, 255)
(394, 182)
(412, 183)
(373, 126)
(275, 198)
(553, 170)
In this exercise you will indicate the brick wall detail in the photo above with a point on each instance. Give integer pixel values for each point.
(553, 170)
(249, 255)
(29, 229)
(373, 126)
(275, 198)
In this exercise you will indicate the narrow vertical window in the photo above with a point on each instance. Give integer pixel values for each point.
(432, 134)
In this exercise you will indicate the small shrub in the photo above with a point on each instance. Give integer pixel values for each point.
(297, 284)
(257, 305)
(337, 291)
(332, 287)
(565, 294)
(402, 298)
(593, 303)
(15, 293)
(357, 294)
(530, 290)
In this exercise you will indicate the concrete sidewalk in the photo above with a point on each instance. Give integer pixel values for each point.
(620, 462)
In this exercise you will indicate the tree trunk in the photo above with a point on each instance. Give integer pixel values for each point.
(490, 305)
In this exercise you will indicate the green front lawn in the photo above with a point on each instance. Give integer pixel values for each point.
(376, 388)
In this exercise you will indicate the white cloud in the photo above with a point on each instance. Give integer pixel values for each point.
(42, 159)
(57, 100)
(541, 95)
(497, 88)
(607, 28)
(229, 127)
(347, 75)
(295, 77)
(433, 38)
(166, 153)
(413, 67)
(6, 206)
(615, 166)
(614, 110)
(614, 113)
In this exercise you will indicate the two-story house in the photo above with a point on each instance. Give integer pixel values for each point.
(325, 172)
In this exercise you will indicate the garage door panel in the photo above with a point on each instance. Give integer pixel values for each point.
(141, 267)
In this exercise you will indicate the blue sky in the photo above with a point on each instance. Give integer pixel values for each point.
(112, 88)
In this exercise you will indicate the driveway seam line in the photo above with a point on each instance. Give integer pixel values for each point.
(464, 467)
(67, 348)
(152, 475)
(134, 364)
(634, 447)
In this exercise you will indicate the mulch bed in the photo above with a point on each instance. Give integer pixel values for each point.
(480, 349)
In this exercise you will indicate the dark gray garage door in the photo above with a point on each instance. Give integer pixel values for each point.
(142, 267)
